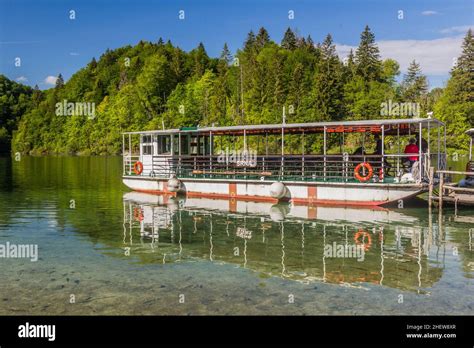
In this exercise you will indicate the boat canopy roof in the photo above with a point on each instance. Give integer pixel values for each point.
(470, 132)
(391, 126)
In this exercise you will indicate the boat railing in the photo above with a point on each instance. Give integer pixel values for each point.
(337, 167)
(290, 167)
(128, 163)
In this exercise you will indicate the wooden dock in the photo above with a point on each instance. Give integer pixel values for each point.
(449, 192)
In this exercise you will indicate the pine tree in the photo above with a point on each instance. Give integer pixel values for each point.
(226, 56)
(350, 61)
(414, 84)
(327, 86)
(36, 96)
(310, 45)
(463, 71)
(328, 49)
(201, 60)
(249, 43)
(297, 88)
(367, 57)
(222, 90)
(301, 42)
(93, 63)
(289, 40)
(262, 38)
(59, 81)
(456, 106)
(280, 85)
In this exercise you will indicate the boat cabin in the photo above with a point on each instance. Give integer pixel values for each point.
(319, 151)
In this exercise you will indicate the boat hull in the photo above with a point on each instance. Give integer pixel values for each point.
(359, 194)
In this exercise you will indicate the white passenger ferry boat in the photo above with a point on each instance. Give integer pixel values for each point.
(283, 162)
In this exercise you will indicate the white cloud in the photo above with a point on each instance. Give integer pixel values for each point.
(434, 56)
(50, 80)
(21, 79)
(457, 29)
(73, 53)
(429, 13)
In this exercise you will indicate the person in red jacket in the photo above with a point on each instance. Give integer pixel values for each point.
(412, 148)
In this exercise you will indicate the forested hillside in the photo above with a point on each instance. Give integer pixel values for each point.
(154, 84)
(15, 100)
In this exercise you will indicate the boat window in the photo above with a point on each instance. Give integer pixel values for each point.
(184, 145)
(147, 145)
(194, 145)
(147, 149)
(175, 144)
(164, 144)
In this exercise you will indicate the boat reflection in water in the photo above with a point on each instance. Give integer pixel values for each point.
(299, 243)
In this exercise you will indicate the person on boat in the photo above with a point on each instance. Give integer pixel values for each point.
(467, 182)
(424, 144)
(378, 145)
(412, 148)
(379, 151)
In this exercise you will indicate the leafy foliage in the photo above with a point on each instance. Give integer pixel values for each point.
(155, 85)
(15, 99)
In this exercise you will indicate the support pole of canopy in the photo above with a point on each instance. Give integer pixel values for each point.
(439, 148)
(420, 146)
(211, 150)
(123, 153)
(302, 154)
(383, 151)
(179, 154)
(445, 150)
(428, 141)
(266, 144)
(398, 157)
(245, 140)
(324, 149)
(130, 154)
(282, 151)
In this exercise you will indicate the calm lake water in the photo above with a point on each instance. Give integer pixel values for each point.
(106, 250)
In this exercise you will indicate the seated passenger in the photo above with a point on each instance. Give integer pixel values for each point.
(378, 145)
(412, 148)
(424, 144)
(379, 149)
(468, 181)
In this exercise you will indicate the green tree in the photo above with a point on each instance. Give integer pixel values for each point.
(59, 81)
(289, 40)
(327, 89)
(456, 106)
(414, 85)
(367, 57)
(262, 38)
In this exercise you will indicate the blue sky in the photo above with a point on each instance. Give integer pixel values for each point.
(41, 34)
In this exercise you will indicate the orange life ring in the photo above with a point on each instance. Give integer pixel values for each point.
(364, 235)
(138, 214)
(138, 167)
(369, 174)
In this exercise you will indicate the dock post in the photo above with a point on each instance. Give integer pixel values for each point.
(430, 196)
(441, 187)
